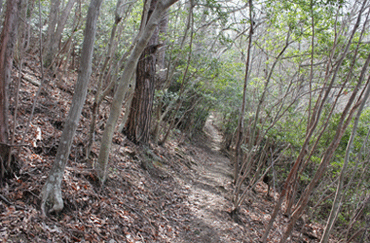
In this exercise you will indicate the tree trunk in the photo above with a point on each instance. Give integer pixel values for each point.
(339, 192)
(51, 192)
(182, 85)
(138, 125)
(98, 96)
(161, 54)
(55, 34)
(314, 120)
(122, 88)
(7, 40)
(52, 22)
(240, 129)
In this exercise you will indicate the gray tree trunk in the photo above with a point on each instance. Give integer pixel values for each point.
(107, 65)
(51, 192)
(52, 22)
(101, 167)
(54, 35)
(7, 43)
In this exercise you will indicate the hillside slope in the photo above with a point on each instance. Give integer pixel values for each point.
(176, 193)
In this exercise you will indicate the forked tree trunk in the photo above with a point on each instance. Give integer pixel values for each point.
(138, 124)
(122, 88)
(55, 29)
(51, 192)
(7, 43)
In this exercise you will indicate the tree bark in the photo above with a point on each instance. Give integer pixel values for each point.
(7, 40)
(107, 63)
(51, 192)
(122, 88)
(138, 125)
(182, 85)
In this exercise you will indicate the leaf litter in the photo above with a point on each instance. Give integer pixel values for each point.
(180, 192)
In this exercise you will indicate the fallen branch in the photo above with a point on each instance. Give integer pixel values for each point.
(25, 78)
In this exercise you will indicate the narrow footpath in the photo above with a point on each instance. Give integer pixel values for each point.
(209, 199)
(210, 193)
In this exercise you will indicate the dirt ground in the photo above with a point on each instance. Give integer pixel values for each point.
(179, 192)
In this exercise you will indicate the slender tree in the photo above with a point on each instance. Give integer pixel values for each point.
(57, 21)
(330, 78)
(7, 44)
(106, 68)
(51, 192)
(240, 129)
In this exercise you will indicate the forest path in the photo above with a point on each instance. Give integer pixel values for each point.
(210, 190)
(209, 200)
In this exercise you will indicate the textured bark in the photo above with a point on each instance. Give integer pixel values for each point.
(138, 125)
(51, 192)
(122, 88)
(7, 40)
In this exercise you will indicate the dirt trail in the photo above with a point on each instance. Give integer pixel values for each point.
(209, 199)
(209, 190)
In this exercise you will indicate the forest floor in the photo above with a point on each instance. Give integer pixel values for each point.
(179, 192)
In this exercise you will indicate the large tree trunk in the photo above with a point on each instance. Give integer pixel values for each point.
(122, 88)
(51, 192)
(7, 40)
(138, 125)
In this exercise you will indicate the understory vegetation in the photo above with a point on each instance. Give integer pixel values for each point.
(95, 95)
